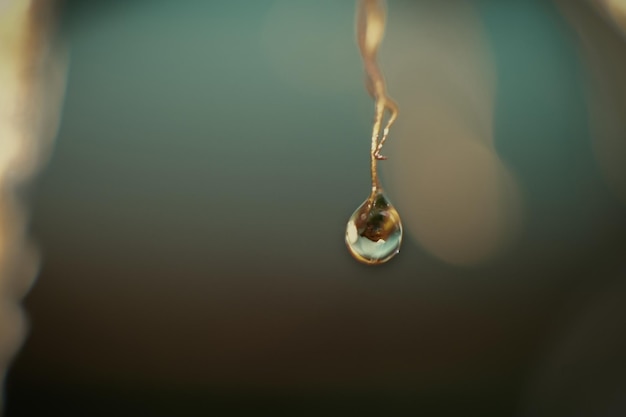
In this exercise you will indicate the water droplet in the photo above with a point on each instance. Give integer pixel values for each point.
(374, 231)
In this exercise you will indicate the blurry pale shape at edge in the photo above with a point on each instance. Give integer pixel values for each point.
(458, 198)
(604, 56)
(617, 10)
(28, 113)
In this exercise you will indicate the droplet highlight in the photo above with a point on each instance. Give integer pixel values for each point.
(374, 231)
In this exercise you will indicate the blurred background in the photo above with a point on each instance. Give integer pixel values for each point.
(192, 213)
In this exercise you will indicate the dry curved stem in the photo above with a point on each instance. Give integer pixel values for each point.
(371, 20)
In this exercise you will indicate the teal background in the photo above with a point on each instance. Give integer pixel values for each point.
(192, 215)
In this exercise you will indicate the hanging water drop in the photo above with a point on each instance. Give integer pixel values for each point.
(374, 231)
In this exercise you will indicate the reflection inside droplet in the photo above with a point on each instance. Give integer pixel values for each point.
(374, 231)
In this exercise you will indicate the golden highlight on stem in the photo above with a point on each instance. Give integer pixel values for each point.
(371, 19)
